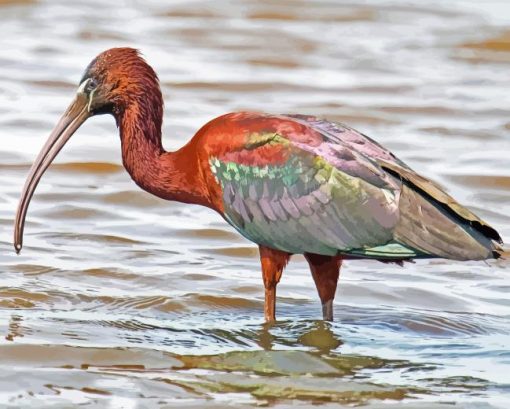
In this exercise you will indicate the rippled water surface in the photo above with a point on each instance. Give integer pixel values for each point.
(123, 300)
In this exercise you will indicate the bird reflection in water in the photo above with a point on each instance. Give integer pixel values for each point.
(316, 335)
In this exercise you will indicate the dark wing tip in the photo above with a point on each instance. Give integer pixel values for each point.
(487, 230)
(501, 253)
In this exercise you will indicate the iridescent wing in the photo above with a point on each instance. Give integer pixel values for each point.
(300, 184)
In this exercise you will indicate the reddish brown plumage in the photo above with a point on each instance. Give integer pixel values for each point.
(115, 70)
(132, 87)
(226, 137)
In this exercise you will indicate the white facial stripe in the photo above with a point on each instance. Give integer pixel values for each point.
(81, 88)
(91, 96)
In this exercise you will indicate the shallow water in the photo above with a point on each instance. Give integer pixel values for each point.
(122, 300)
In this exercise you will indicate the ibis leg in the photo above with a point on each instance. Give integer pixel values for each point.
(273, 262)
(325, 271)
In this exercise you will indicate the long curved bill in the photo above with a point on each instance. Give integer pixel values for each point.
(75, 115)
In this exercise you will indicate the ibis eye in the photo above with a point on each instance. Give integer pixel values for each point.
(91, 85)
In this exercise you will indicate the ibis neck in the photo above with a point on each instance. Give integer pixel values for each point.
(168, 175)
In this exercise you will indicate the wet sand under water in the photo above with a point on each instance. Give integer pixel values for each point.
(123, 300)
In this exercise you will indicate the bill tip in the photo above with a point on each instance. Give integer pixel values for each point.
(17, 247)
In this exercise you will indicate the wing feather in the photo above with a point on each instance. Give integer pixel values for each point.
(332, 190)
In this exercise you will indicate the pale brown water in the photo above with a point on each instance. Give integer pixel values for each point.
(122, 300)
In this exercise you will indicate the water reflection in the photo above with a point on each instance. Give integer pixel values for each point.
(264, 337)
(320, 337)
(314, 335)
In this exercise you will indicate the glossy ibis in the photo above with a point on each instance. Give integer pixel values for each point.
(293, 184)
